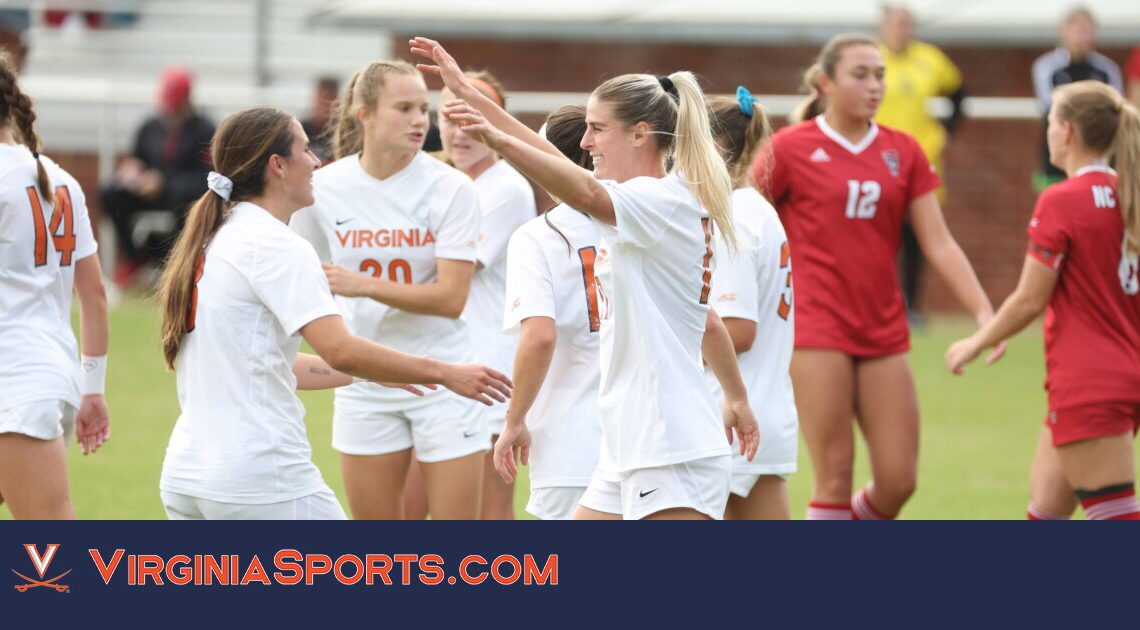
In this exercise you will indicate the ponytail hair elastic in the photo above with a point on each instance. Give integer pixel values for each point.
(667, 85)
(220, 184)
(745, 101)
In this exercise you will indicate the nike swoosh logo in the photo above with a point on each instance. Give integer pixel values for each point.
(645, 494)
(467, 435)
(343, 221)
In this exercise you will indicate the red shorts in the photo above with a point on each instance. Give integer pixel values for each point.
(1095, 420)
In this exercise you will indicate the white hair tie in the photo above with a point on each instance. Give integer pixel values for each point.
(220, 184)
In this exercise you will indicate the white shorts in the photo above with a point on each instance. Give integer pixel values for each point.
(555, 503)
(701, 485)
(40, 419)
(496, 418)
(449, 428)
(319, 506)
(743, 482)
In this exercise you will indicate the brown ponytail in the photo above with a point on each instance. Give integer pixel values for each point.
(363, 91)
(739, 135)
(564, 129)
(825, 64)
(1106, 123)
(17, 109)
(240, 150)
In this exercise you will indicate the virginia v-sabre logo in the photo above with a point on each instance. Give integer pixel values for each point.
(41, 562)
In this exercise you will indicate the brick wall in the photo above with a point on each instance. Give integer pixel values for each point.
(988, 163)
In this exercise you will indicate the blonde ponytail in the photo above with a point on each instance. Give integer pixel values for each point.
(1126, 149)
(1106, 123)
(696, 156)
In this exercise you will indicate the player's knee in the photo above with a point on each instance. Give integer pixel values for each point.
(893, 490)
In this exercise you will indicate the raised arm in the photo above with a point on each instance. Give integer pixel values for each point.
(556, 174)
(446, 68)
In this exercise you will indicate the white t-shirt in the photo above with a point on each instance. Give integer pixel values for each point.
(756, 285)
(548, 278)
(506, 201)
(394, 228)
(653, 275)
(241, 436)
(40, 243)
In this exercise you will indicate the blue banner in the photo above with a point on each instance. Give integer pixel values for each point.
(533, 574)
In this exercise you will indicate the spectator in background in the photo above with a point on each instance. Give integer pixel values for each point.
(1132, 70)
(1075, 59)
(915, 73)
(166, 171)
(316, 125)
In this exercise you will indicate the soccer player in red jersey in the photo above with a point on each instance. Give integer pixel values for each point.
(842, 185)
(1083, 270)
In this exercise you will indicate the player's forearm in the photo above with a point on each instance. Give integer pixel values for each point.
(374, 362)
(951, 263)
(312, 372)
(503, 121)
(532, 362)
(94, 326)
(1015, 314)
(564, 180)
(426, 299)
(716, 347)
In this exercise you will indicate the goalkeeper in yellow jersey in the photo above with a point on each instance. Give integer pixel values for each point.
(915, 73)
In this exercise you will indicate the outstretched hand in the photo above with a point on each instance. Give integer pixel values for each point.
(443, 64)
(473, 123)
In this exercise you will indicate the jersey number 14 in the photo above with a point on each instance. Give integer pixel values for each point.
(61, 228)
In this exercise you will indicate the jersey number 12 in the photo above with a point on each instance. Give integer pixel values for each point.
(862, 199)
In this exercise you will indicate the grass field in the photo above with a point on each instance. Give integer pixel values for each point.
(978, 432)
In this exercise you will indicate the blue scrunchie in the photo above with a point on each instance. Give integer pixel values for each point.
(744, 100)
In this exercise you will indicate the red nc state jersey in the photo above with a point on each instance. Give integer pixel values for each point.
(842, 205)
(1092, 325)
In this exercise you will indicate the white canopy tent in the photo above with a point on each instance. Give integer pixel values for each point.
(998, 21)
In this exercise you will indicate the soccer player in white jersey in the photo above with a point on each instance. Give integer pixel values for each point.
(239, 291)
(552, 305)
(46, 248)
(398, 230)
(752, 292)
(506, 201)
(664, 449)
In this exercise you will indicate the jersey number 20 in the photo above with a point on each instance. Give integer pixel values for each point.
(63, 217)
(396, 268)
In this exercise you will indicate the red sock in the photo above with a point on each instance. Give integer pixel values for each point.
(1111, 503)
(863, 510)
(1035, 513)
(819, 511)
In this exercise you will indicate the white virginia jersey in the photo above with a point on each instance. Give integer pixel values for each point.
(506, 201)
(756, 284)
(394, 229)
(40, 243)
(241, 436)
(548, 278)
(653, 274)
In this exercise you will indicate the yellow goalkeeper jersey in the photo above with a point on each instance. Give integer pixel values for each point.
(921, 72)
